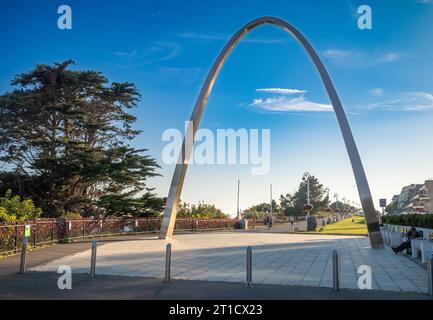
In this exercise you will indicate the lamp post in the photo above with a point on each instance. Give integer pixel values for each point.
(306, 179)
(336, 200)
(238, 216)
(270, 196)
(344, 206)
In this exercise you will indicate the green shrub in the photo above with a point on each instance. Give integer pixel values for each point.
(71, 215)
(416, 220)
(13, 209)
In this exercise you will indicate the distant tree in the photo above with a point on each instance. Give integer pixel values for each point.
(293, 205)
(392, 207)
(14, 209)
(252, 213)
(64, 137)
(202, 211)
(343, 207)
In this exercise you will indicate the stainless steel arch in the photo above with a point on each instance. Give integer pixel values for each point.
(184, 156)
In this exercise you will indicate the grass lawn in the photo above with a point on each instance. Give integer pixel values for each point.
(344, 227)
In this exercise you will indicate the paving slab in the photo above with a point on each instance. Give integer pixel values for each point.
(278, 259)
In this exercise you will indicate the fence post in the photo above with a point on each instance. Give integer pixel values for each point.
(23, 260)
(430, 276)
(167, 262)
(93, 259)
(69, 228)
(52, 231)
(34, 234)
(16, 237)
(249, 282)
(335, 271)
(84, 227)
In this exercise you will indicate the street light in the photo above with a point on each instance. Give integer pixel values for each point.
(328, 209)
(308, 207)
(306, 178)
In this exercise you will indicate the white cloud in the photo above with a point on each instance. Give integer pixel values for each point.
(159, 52)
(285, 104)
(281, 90)
(336, 53)
(377, 92)
(221, 37)
(391, 57)
(358, 59)
(125, 54)
(406, 101)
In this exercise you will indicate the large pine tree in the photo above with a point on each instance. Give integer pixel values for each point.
(64, 137)
(293, 205)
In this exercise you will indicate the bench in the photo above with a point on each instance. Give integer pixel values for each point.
(426, 247)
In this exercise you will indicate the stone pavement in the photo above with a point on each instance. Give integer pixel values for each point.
(278, 259)
(43, 285)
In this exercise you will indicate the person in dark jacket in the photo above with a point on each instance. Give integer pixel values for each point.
(411, 234)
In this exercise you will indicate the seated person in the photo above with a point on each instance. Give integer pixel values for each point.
(411, 234)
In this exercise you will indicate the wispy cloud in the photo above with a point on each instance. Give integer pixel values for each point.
(124, 54)
(336, 53)
(222, 37)
(376, 92)
(281, 90)
(283, 103)
(357, 59)
(406, 101)
(159, 52)
(294, 104)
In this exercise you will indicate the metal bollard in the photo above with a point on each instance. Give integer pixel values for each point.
(335, 271)
(23, 260)
(249, 282)
(430, 276)
(167, 262)
(93, 259)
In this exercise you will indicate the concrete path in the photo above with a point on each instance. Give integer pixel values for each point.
(43, 285)
(278, 259)
(10, 265)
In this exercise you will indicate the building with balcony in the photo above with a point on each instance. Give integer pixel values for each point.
(414, 198)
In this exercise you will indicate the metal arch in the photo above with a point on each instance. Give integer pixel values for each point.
(170, 213)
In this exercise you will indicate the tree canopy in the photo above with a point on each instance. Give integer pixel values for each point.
(293, 205)
(201, 210)
(65, 142)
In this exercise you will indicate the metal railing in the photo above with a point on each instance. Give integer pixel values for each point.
(49, 231)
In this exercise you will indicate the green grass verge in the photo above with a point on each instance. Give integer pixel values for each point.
(344, 227)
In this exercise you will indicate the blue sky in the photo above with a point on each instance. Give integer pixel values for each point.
(383, 76)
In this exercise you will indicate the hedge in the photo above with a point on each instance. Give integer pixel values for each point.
(411, 220)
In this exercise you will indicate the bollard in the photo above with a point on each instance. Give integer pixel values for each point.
(167, 262)
(335, 271)
(430, 276)
(93, 259)
(23, 255)
(249, 282)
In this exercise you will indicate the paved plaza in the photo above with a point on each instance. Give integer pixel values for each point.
(278, 259)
